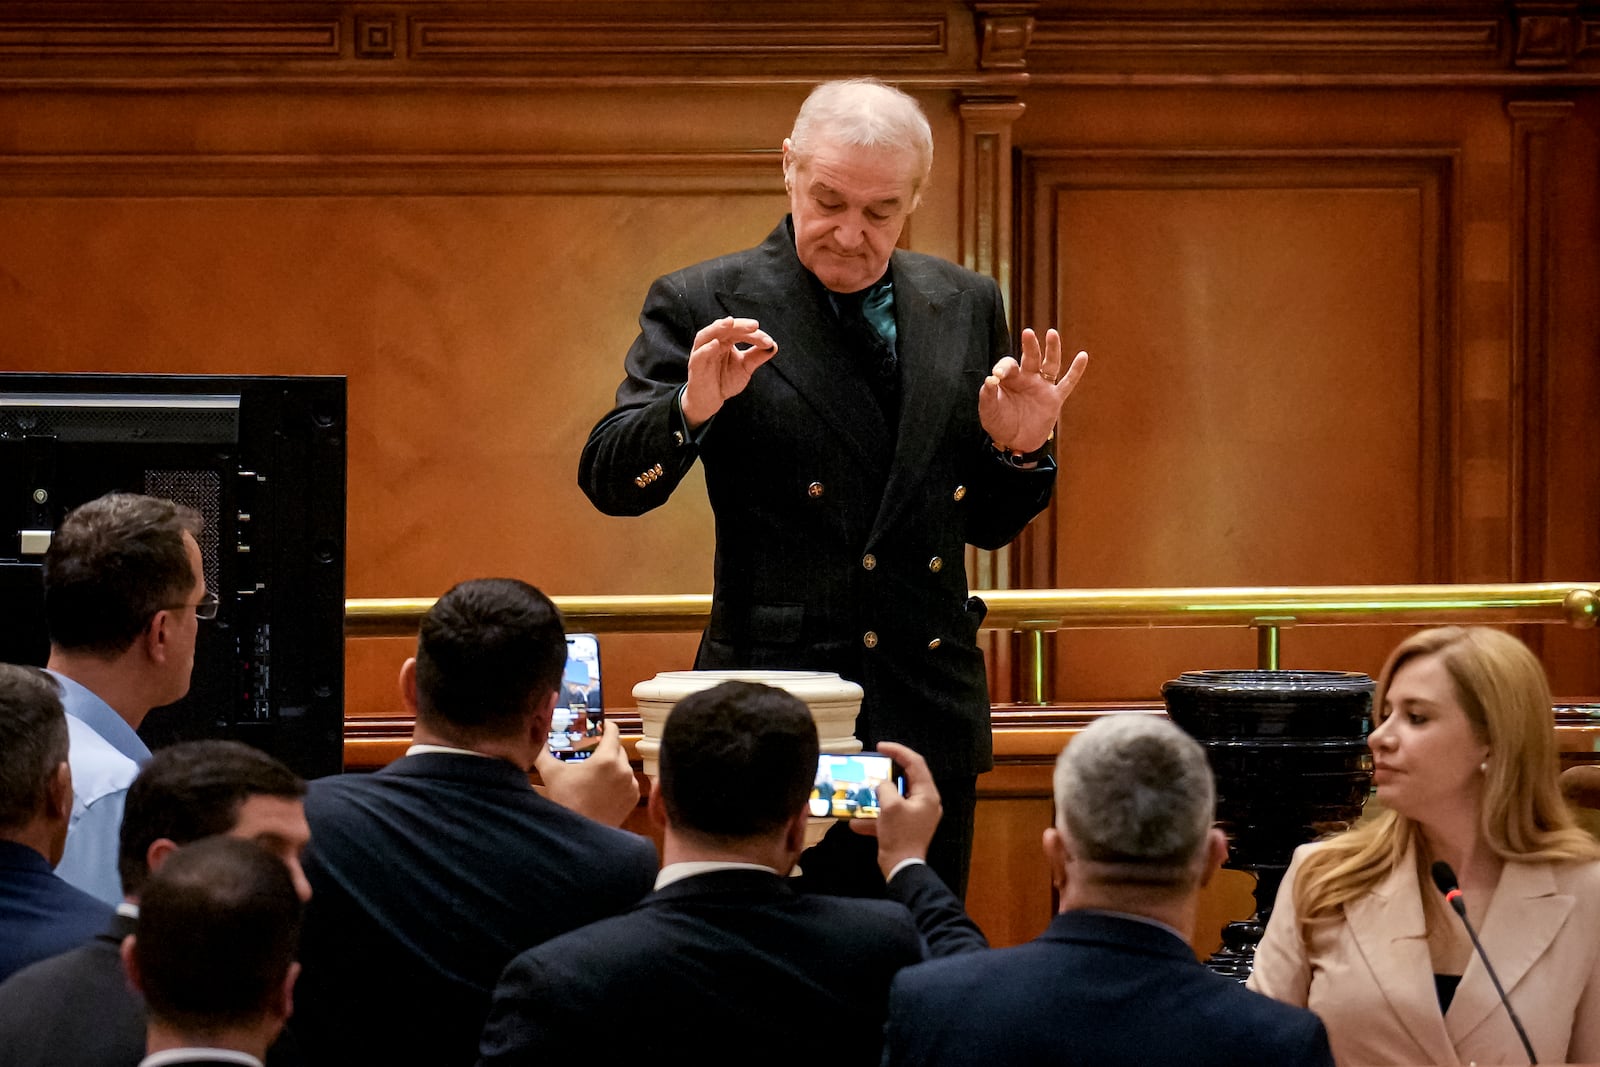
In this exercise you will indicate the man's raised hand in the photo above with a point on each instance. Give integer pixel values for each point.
(724, 356)
(1019, 403)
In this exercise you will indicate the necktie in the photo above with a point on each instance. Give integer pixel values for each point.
(867, 319)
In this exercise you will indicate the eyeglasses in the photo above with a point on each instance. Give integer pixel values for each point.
(205, 608)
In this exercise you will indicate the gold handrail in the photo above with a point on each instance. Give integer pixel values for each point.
(1573, 603)
(1267, 609)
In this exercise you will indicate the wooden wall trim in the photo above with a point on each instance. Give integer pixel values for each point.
(257, 42)
(1533, 123)
(993, 44)
(1046, 174)
(1077, 40)
(422, 174)
(986, 225)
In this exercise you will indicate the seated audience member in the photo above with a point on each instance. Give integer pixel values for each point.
(214, 955)
(432, 873)
(1113, 980)
(1464, 758)
(77, 1009)
(726, 961)
(40, 915)
(124, 593)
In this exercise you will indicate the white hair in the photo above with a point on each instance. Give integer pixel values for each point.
(861, 112)
(1134, 792)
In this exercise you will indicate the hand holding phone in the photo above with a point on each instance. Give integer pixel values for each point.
(603, 788)
(905, 824)
(852, 786)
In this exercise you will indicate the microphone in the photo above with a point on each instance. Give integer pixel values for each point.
(1445, 879)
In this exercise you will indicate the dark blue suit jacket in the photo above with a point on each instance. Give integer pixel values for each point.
(427, 877)
(1095, 989)
(725, 967)
(831, 523)
(40, 915)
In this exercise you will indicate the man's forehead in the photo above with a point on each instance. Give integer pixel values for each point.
(262, 813)
(870, 173)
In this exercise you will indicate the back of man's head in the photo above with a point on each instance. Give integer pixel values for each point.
(486, 651)
(33, 746)
(114, 563)
(218, 928)
(1135, 797)
(193, 790)
(737, 761)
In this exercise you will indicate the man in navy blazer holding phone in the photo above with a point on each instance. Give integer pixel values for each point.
(725, 961)
(429, 875)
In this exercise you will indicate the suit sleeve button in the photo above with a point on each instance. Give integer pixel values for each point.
(814, 490)
(935, 643)
(870, 639)
(936, 564)
(869, 561)
(960, 493)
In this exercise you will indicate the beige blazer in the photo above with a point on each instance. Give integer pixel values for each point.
(1370, 977)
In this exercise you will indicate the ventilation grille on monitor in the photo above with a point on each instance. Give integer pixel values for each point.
(122, 417)
(202, 491)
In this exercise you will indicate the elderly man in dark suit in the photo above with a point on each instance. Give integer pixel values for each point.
(861, 421)
(1112, 982)
(431, 874)
(726, 961)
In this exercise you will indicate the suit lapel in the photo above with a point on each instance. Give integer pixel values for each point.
(931, 353)
(1389, 929)
(783, 297)
(1524, 917)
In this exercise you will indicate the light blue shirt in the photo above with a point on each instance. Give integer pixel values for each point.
(105, 755)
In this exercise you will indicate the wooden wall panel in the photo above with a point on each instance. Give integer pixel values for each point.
(1270, 398)
(1302, 312)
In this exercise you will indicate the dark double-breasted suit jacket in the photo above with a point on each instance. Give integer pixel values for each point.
(427, 877)
(1095, 989)
(726, 967)
(840, 537)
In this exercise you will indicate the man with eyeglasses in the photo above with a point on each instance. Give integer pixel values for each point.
(125, 592)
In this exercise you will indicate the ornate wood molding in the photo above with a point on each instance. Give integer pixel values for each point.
(1004, 32)
(1533, 127)
(397, 175)
(231, 42)
(986, 185)
(1547, 33)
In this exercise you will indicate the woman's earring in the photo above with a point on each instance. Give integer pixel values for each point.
(1483, 768)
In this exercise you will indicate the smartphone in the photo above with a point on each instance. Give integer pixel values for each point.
(575, 726)
(848, 786)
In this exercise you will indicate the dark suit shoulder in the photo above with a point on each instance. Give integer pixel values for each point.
(1092, 1001)
(45, 1011)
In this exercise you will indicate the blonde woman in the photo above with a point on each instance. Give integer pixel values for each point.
(1464, 761)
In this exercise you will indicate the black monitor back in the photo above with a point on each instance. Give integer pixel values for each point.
(262, 459)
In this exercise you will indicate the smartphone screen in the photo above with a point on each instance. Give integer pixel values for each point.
(575, 726)
(847, 787)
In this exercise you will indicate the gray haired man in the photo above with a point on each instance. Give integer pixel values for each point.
(1113, 980)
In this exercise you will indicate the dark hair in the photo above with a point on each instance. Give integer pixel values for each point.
(737, 760)
(114, 563)
(483, 650)
(192, 790)
(33, 742)
(218, 927)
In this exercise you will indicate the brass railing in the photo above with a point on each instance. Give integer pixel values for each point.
(1036, 612)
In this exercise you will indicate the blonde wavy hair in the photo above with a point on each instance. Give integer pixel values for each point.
(1503, 690)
